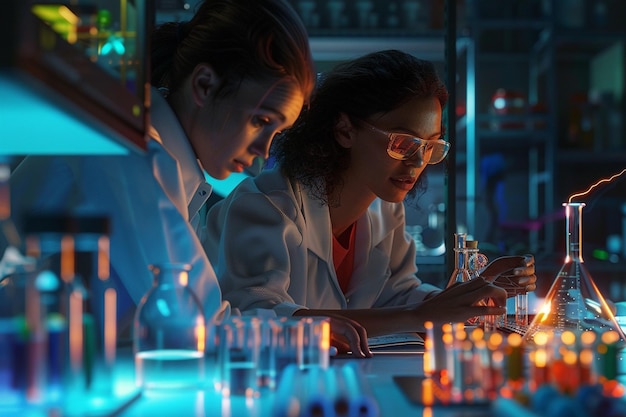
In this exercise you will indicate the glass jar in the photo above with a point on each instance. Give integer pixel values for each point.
(169, 332)
(461, 272)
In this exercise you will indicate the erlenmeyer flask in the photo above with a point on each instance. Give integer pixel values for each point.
(169, 332)
(573, 302)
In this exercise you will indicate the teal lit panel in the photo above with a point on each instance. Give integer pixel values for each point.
(31, 124)
(225, 186)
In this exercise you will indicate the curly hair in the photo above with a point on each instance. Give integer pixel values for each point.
(378, 82)
(240, 39)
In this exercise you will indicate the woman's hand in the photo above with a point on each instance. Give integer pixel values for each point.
(349, 336)
(461, 301)
(516, 274)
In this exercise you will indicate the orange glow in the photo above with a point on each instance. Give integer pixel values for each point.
(325, 342)
(514, 339)
(428, 366)
(67, 258)
(428, 395)
(545, 310)
(595, 185)
(570, 358)
(588, 337)
(201, 333)
(477, 334)
(506, 392)
(459, 332)
(103, 258)
(568, 338)
(480, 344)
(110, 325)
(468, 395)
(610, 337)
(586, 357)
(613, 388)
(541, 338)
(444, 379)
(76, 330)
(541, 358)
(184, 278)
(495, 340)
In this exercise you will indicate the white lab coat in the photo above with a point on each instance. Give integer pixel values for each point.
(152, 200)
(271, 245)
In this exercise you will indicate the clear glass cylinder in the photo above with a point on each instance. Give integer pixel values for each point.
(461, 272)
(169, 332)
(92, 270)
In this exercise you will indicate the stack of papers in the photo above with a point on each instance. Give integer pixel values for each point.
(399, 342)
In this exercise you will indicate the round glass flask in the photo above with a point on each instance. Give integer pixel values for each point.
(169, 332)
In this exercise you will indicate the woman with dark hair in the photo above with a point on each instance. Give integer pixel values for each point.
(225, 83)
(323, 232)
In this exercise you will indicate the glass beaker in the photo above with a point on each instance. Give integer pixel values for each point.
(169, 332)
(241, 345)
(573, 302)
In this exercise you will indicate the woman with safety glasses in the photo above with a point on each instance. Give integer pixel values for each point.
(323, 232)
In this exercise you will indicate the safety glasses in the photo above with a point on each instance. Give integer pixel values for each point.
(403, 146)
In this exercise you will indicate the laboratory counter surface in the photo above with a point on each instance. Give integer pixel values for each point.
(379, 373)
(392, 379)
(390, 384)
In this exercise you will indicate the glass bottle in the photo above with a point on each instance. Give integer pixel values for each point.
(461, 272)
(169, 332)
(573, 302)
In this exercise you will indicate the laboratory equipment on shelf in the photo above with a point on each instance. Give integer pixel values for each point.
(169, 332)
(574, 302)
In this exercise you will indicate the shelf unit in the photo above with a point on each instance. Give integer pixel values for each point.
(492, 139)
(530, 43)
